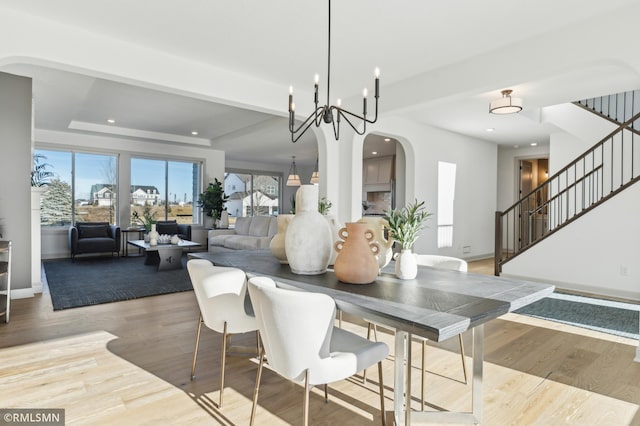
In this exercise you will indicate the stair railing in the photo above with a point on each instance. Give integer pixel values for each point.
(595, 176)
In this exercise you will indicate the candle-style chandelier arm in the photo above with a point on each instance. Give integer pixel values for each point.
(314, 118)
(332, 113)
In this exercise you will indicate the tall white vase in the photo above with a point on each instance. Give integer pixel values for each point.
(277, 244)
(308, 242)
(406, 265)
(153, 236)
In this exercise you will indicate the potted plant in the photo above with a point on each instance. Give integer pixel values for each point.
(212, 200)
(404, 227)
(147, 219)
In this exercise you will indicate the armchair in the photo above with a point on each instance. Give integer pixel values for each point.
(171, 227)
(93, 237)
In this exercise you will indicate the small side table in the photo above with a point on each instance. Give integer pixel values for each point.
(125, 238)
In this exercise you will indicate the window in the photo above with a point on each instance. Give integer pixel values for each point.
(83, 188)
(446, 195)
(252, 193)
(170, 187)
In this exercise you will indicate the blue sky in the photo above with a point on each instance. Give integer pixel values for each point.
(93, 168)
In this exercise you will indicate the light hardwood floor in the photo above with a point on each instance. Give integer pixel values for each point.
(128, 363)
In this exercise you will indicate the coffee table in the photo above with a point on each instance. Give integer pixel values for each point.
(166, 256)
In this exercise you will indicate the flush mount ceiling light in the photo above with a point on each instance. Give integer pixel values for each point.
(506, 104)
(294, 177)
(332, 114)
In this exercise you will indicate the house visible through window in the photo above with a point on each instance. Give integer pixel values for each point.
(446, 195)
(251, 193)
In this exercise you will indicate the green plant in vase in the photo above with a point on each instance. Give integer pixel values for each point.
(146, 219)
(405, 225)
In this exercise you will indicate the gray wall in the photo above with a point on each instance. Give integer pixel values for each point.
(15, 165)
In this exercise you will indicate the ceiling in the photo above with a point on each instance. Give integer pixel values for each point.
(441, 63)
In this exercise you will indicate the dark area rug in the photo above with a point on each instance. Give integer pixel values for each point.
(618, 318)
(91, 281)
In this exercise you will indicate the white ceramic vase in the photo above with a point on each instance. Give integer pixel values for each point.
(406, 265)
(308, 241)
(277, 244)
(153, 236)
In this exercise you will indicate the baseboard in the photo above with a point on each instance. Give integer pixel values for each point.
(22, 293)
(36, 287)
(632, 296)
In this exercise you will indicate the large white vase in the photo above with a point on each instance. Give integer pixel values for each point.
(308, 241)
(406, 265)
(277, 244)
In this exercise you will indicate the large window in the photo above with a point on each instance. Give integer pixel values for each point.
(82, 188)
(252, 193)
(170, 187)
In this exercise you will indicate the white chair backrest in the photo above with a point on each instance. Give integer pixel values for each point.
(295, 326)
(220, 292)
(442, 262)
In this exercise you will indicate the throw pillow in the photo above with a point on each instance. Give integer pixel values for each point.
(170, 228)
(93, 231)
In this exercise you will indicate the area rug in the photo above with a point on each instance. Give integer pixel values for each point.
(618, 318)
(96, 280)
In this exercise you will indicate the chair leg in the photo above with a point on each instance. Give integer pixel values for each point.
(195, 350)
(224, 358)
(257, 388)
(364, 373)
(326, 393)
(305, 406)
(464, 364)
(424, 371)
(384, 416)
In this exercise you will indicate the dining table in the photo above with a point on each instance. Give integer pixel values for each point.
(438, 304)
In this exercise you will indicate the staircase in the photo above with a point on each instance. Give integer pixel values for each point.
(600, 173)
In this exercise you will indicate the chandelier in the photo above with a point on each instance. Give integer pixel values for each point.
(332, 114)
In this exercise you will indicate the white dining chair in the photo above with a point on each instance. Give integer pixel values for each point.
(220, 292)
(301, 343)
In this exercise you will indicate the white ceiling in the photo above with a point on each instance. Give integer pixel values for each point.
(442, 62)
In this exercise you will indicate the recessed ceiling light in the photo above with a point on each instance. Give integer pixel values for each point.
(194, 133)
(387, 139)
(533, 144)
(374, 153)
(111, 121)
(516, 146)
(490, 129)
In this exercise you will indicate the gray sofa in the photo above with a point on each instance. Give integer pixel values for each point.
(250, 233)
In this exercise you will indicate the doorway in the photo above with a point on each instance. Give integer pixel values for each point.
(533, 196)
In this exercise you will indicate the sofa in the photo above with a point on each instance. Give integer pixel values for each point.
(93, 237)
(171, 227)
(250, 233)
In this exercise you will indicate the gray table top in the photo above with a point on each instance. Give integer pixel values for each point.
(437, 304)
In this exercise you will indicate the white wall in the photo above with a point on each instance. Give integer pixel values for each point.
(424, 146)
(598, 253)
(15, 185)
